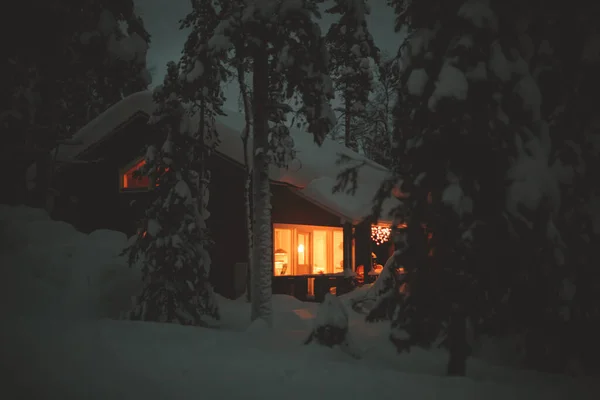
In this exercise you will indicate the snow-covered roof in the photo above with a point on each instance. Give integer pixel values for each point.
(313, 173)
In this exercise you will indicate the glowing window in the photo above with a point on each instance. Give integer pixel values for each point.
(338, 251)
(283, 249)
(307, 250)
(320, 260)
(127, 180)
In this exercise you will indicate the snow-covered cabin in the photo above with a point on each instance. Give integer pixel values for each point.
(311, 247)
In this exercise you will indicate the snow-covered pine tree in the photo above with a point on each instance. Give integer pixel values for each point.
(288, 57)
(172, 248)
(479, 107)
(351, 49)
(580, 289)
(468, 107)
(98, 53)
(560, 335)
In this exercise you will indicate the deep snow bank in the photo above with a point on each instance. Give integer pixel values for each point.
(132, 360)
(52, 270)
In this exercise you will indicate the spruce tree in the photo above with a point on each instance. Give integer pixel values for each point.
(468, 119)
(172, 248)
(352, 49)
(491, 157)
(560, 335)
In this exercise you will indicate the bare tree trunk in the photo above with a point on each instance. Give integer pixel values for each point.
(348, 141)
(202, 160)
(348, 235)
(263, 241)
(248, 182)
(249, 228)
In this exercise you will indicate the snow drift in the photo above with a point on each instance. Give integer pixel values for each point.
(53, 270)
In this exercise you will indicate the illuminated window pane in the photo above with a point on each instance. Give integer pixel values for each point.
(307, 250)
(129, 182)
(283, 249)
(319, 252)
(302, 248)
(338, 251)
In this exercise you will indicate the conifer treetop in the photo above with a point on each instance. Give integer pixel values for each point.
(296, 50)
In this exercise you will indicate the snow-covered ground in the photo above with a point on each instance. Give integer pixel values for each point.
(62, 291)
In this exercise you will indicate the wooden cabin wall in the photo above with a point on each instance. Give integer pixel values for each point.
(227, 222)
(291, 208)
(362, 236)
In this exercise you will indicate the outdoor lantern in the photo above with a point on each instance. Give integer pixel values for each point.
(281, 261)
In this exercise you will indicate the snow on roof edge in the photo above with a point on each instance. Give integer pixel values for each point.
(313, 166)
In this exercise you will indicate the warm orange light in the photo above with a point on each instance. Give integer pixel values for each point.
(141, 182)
(398, 193)
(360, 273)
(307, 250)
(380, 234)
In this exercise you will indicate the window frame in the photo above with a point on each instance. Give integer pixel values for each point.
(295, 228)
(123, 172)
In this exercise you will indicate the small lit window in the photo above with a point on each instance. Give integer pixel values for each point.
(129, 182)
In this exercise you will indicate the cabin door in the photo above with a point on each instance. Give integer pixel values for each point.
(303, 254)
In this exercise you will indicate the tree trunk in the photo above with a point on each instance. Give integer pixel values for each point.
(457, 343)
(348, 142)
(201, 170)
(248, 181)
(263, 242)
(250, 244)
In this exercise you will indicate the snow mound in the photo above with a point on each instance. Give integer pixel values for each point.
(331, 327)
(284, 302)
(258, 327)
(332, 313)
(54, 270)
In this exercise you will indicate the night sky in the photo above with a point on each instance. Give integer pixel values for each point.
(162, 22)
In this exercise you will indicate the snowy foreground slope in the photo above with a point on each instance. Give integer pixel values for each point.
(57, 341)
